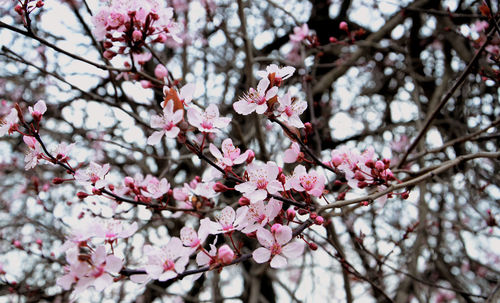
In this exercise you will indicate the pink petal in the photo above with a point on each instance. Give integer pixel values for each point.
(155, 137)
(261, 255)
(278, 262)
(265, 237)
(293, 250)
(283, 235)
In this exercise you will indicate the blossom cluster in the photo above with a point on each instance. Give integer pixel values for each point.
(130, 24)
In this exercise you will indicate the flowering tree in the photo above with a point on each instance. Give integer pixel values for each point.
(257, 151)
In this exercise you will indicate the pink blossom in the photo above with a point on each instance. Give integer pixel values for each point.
(62, 150)
(228, 220)
(277, 73)
(141, 59)
(299, 33)
(166, 262)
(256, 100)
(207, 121)
(156, 188)
(480, 26)
(193, 239)
(293, 153)
(291, 110)
(312, 182)
(167, 122)
(112, 230)
(34, 154)
(93, 175)
(97, 271)
(229, 157)
(8, 124)
(223, 255)
(275, 247)
(38, 110)
(261, 180)
(258, 215)
(161, 71)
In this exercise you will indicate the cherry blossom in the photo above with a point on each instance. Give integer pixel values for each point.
(312, 182)
(258, 215)
(34, 154)
(256, 100)
(276, 74)
(261, 180)
(193, 239)
(111, 230)
(299, 33)
(157, 188)
(38, 110)
(223, 255)
(62, 150)
(229, 157)
(166, 262)
(276, 246)
(293, 153)
(167, 122)
(95, 271)
(207, 121)
(291, 110)
(228, 220)
(9, 123)
(93, 175)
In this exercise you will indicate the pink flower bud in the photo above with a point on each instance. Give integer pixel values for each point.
(161, 71)
(136, 35)
(19, 9)
(57, 180)
(107, 44)
(359, 176)
(243, 201)
(39, 242)
(370, 164)
(81, 195)
(308, 128)
(161, 38)
(379, 165)
(146, 84)
(39, 3)
(336, 160)
(362, 184)
(97, 192)
(290, 214)
(226, 254)
(128, 181)
(343, 26)
(276, 228)
(313, 216)
(313, 246)
(109, 54)
(251, 156)
(17, 244)
(302, 212)
(220, 188)
(405, 195)
(333, 40)
(319, 220)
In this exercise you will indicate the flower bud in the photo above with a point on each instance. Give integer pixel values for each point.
(362, 184)
(370, 164)
(379, 165)
(405, 195)
(359, 176)
(243, 201)
(136, 35)
(333, 39)
(226, 254)
(161, 71)
(290, 214)
(19, 9)
(308, 128)
(128, 181)
(302, 212)
(343, 26)
(313, 216)
(107, 44)
(57, 180)
(39, 3)
(313, 246)
(220, 188)
(341, 196)
(96, 191)
(251, 156)
(109, 54)
(319, 220)
(336, 160)
(81, 195)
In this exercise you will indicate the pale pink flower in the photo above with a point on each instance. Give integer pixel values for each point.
(230, 156)
(167, 122)
(228, 220)
(112, 230)
(291, 110)
(62, 150)
(207, 121)
(312, 182)
(258, 215)
(184, 96)
(299, 33)
(256, 100)
(276, 247)
(480, 26)
(34, 154)
(277, 73)
(93, 175)
(292, 154)
(141, 59)
(193, 239)
(38, 110)
(261, 180)
(161, 71)
(156, 188)
(223, 255)
(8, 124)
(166, 262)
